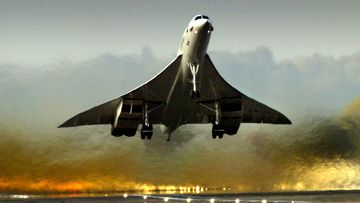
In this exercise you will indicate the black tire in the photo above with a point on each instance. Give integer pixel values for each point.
(217, 131)
(146, 135)
(194, 94)
(197, 94)
(149, 136)
(146, 132)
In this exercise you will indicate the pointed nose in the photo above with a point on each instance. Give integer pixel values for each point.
(205, 25)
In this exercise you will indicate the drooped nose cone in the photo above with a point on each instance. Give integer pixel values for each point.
(204, 25)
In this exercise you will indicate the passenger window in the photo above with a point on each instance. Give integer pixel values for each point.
(197, 17)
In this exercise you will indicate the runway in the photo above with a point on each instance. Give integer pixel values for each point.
(293, 197)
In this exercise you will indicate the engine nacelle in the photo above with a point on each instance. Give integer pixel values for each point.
(231, 115)
(127, 118)
(117, 132)
(226, 127)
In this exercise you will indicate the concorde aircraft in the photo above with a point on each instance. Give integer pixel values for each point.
(188, 91)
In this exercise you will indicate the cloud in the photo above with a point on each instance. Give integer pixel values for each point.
(304, 84)
(37, 156)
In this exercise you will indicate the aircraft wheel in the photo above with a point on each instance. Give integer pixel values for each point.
(194, 94)
(146, 132)
(146, 135)
(149, 136)
(197, 94)
(217, 131)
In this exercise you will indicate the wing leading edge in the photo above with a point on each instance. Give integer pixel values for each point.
(150, 91)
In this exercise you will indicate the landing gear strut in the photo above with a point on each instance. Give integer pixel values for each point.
(217, 129)
(147, 128)
(194, 68)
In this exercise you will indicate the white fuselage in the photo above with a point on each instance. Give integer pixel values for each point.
(193, 49)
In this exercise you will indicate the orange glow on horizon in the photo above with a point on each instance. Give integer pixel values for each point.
(321, 177)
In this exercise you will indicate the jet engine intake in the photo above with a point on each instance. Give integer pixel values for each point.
(127, 118)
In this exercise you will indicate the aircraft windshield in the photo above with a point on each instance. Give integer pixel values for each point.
(201, 17)
(197, 17)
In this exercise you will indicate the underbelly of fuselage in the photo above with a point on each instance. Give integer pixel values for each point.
(180, 105)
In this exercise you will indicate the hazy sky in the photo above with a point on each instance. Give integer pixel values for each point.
(39, 32)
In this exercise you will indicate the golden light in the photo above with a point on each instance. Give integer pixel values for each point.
(237, 201)
(212, 200)
(144, 197)
(188, 200)
(166, 199)
(299, 186)
(197, 189)
(20, 196)
(264, 201)
(125, 195)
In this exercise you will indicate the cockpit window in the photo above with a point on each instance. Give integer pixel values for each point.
(201, 17)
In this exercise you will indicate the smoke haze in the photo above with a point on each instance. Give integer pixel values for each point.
(319, 152)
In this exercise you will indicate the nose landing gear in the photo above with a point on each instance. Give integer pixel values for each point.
(194, 68)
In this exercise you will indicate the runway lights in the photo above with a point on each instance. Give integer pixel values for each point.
(20, 196)
(197, 189)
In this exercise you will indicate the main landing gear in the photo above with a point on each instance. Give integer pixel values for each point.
(147, 128)
(146, 132)
(217, 131)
